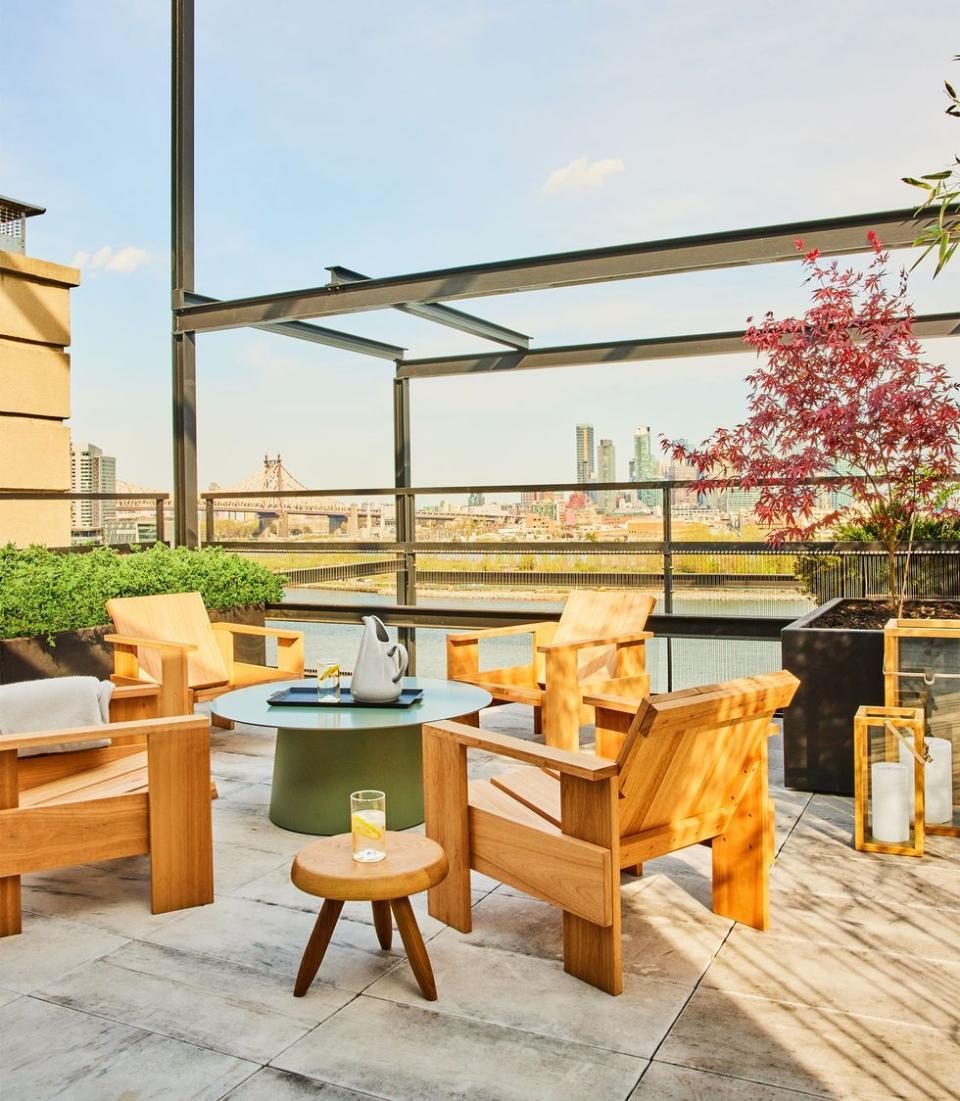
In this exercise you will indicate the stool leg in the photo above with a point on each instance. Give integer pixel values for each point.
(383, 923)
(317, 945)
(416, 950)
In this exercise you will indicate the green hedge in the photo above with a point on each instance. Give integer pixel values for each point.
(42, 592)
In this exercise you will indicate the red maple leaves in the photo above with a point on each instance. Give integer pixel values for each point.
(844, 391)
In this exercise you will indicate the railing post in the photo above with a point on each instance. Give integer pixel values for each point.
(668, 574)
(404, 512)
(209, 533)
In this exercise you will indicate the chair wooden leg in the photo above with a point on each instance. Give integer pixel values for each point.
(447, 823)
(634, 869)
(593, 953)
(11, 920)
(317, 945)
(561, 701)
(471, 719)
(180, 821)
(742, 856)
(221, 722)
(538, 720)
(383, 923)
(415, 948)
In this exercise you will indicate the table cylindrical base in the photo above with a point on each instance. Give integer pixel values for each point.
(315, 772)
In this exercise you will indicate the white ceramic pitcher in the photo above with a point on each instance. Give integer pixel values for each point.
(380, 665)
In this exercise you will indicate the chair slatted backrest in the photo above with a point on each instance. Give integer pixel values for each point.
(590, 613)
(174, 617)
(689, 753)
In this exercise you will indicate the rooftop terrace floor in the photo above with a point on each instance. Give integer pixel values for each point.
(855, 991)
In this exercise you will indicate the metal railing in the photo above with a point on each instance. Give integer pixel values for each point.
(698, 583)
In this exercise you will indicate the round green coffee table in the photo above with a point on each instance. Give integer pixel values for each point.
(324, 753)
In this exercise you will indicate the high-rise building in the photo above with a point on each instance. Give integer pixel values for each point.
(607, 472)
(91, 472)
(676, 470)
(586, 469)
(645, 466)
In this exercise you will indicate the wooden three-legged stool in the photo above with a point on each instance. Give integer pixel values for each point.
(326, 868)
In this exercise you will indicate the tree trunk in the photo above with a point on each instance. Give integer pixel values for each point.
(892, 573)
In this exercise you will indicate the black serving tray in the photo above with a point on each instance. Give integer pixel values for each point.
(300, 695)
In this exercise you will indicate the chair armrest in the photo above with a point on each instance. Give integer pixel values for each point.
(628, 705)
(289, 645)
(85, 734)
(263, 632)
(584, 765)
(150, 643)
(628, 639)
(462, 638)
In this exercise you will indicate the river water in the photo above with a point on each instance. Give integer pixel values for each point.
(693, 661)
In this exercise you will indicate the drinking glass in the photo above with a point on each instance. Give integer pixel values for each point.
(368, 825)
(328, 682)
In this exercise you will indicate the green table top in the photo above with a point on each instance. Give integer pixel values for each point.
(442, 699)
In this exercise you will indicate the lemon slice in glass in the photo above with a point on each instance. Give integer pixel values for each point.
(361, 825)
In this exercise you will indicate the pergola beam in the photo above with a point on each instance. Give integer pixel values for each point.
(443, 315)
(703, 252)
(926, 326)
(316, 334)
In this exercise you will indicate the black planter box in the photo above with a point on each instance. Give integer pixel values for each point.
(70, 654)
(84, 653)
(839, 670)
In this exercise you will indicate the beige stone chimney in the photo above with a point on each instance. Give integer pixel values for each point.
(34, 385)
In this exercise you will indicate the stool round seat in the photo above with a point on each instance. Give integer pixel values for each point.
(326, 868)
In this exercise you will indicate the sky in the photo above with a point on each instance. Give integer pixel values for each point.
(393, 138)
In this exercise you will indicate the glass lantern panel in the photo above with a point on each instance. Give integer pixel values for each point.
(936, 660)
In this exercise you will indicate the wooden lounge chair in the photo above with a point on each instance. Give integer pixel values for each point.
(157, 636)
(148, 791)
(600, 636)
(691, 767)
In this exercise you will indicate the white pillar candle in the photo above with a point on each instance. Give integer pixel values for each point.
(938, 804)
(889, 809)
(938, 780)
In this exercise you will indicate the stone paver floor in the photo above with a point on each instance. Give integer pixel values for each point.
(855, 991)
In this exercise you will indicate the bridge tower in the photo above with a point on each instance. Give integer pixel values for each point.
(273, 483)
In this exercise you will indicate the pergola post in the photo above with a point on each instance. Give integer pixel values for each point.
(185, 520)
(405, 510)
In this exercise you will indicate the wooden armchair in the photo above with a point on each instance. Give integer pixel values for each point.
(600, 636)
(691, 767)
(147, 792)
(170, 640)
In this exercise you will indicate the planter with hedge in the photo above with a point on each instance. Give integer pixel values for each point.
(53, 606)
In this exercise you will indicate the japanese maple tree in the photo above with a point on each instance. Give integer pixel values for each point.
(845, 392)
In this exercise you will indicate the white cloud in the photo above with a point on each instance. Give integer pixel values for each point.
(107, 258)
(581, 174)
(128, 259)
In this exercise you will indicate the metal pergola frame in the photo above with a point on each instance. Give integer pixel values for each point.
(423, 294)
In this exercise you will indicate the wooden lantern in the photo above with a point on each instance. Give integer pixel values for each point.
(921, 668)
(888, 771)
